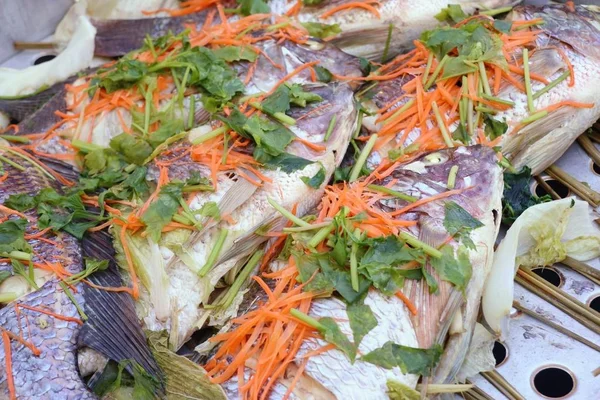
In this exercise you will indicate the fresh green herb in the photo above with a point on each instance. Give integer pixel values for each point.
(493, 127)
(249, 7)
(429, 280)
(502, 25)
(321, 31)
(362, 321)
(459, 223)
(92, 265)
(455, 269)
(408, 359)
(330, 128)
(517, 196)
(162, 209)
(236, 53)
(135, 149)
(453, 13)
(316, 180)
(214, 253)
(323, 74)
(362, 158)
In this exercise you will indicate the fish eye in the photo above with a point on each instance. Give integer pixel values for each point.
(434, 159)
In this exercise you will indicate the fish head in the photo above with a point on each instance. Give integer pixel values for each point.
(576, 26)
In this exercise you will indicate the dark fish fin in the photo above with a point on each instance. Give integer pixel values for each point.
(113, 327)
(44, 117)
(115, 38)
(19, 109)
(61, 167)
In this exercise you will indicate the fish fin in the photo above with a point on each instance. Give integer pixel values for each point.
(113, 327)
(246, 244)
(546, 62)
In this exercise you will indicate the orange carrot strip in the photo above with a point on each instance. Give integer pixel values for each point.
(50, 313)
(411, 307)
(9, 374)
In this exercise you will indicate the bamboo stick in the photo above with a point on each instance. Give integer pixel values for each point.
(556, 326)
(589, 195)
(590, 148)
(33, 45)
(596, 372)
(584, 269)
(594, 135)
(583, 321)
(502, 385)
(547, 187)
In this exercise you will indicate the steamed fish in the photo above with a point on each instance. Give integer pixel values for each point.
(400, 294)
(54, 335)
(468, 84)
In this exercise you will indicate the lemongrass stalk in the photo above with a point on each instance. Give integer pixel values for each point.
(191, 112)
(214, 253)
(210, 135)
(306, 319)
(527, 80)
(320, 235)
(546, 187)
(391, 192)
(497, 99)
(442, 125)
(427, 67)
(282, 117)
(15, 139)
(330, 127)
(552, 84)
(486, 110)
(312, 227)
(583, 268)
(502, 385)
(399, 111)
(362, 158)
(287, 214)
(354, 266)
(589, 148)
(12, 163)
(240, 279)
(66, 290)
(359, 120)
(416, 243)
(452, 177)
(534, 117)
(436, 72)
(484, 78)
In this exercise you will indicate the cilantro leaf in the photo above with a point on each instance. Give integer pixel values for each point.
(317, 180)
(308, 267)
(162, 209)
(502, 25)
(455, 269)
(459, 223)
(249, 7)
(362, 321)
(430, 280)
(321, 31)
(271, 137)
(493, 127)
(133, 148)
(331, 333)
(410, 360)
(452, 13)
(12, 234)
(124, 74)
(20, 202)
(236, 53)
(287, 162)
(323, 74)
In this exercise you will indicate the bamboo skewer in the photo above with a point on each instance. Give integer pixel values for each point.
(558, 304)
(590, 148)
(34, 45)
(589, 272)
(589, 195)
(476, 393)
(569, 300)
(502, 385)
(556, 326)
(596, 372)
(547, 187)
(594, 136)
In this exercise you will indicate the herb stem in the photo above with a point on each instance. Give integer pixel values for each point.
(240, 279)
(552, 84)
(534, 117)
(197, 188)
(191, 112)
(65, 289)
(320, 236)
(214, 253)
(307, 319)
(359, 120)
(182, 219)
(15, 139)
(282, 117)
(485, 110)
(436, 72)
(484, 78)
(452, 177)
(414, 242)
(527, 80)
(427, 67)
(287, 214)
(399, 111)
(354, 266)
(306, 229)
(497, 99)
(12, 163)
(210, 135)
(85, 147)
(362, 158)
(388, 41)
(17, 255)
(330, 127)
(7, 297)
(392, 192)
(441, 124)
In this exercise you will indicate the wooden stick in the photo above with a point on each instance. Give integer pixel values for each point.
(552, 300)
(556, 326)
(502, 385)
(589, 195)
(34, 45)
(596, 372)
(584, 269)
(594, 135)
(547, 187)
(590, 148)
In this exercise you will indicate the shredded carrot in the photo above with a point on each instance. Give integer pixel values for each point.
(411, 307)
(9, 374)
(50, 313)
(367, 5)
(10, 211)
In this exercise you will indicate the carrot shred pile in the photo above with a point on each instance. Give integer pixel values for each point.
(368, 5)
(265, 340)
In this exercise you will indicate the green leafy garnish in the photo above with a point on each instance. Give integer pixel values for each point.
(453, 268)
(453, 13)
(236, 53)
(517, 196)
(162, 209)
(399, 391)
(249, 7)
(410, 360)
(316, 180)
(493, 127)
(321, 31)
(459, 223)
(362, 321)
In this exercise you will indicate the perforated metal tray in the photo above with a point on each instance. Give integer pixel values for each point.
(531, 348)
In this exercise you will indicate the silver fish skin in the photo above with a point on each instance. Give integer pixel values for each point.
(480, 180)
(55, 372)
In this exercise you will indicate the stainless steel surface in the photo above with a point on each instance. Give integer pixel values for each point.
(28, 20)
(531, 345)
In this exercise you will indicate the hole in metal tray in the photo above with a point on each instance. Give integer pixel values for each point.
(549, 274)
(43, 59)
(558, 187)
(594, 303)
(500, 353)
(595, 167)
(553, 382)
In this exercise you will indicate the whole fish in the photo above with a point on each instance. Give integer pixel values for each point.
(363, 33)
(444, 315)
(562, 64)
(47, 349)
